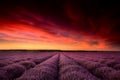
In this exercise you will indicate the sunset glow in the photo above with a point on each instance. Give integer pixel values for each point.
(22, 27)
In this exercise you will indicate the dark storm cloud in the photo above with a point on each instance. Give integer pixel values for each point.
(93, 43)
(92, 18)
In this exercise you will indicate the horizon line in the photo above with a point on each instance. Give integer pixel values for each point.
(51, 50)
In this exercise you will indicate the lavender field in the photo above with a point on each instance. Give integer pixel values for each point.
(36, 65)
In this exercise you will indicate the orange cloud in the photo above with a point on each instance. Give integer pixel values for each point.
(22, 36)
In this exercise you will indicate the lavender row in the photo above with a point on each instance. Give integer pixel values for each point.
(108, 70)
(11, 58)
(15, 70)
(70, 70)
(47, 70)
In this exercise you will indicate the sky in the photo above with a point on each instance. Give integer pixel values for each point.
(60, 24)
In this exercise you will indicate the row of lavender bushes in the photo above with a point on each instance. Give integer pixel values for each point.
(107, 70)
(15, 70)
(47, 70)
(70, 70)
